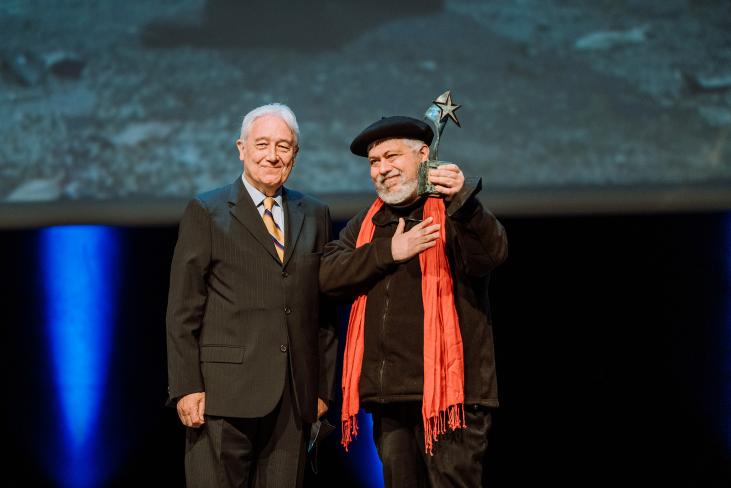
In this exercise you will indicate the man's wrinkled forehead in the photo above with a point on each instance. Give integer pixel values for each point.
(378, 148)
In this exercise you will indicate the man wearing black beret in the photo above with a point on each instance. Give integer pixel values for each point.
(419, 353)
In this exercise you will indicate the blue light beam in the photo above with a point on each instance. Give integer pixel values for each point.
(80, 282)
(363, 457)
(727, 331)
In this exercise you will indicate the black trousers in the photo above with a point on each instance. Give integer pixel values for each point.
(231, 452)
(458, 456)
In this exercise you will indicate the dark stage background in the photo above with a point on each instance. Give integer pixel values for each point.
(613, 337)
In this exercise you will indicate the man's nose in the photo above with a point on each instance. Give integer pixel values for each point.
(385, 167)
(272, 153)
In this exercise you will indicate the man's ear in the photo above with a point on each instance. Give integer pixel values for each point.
(240, 148)
(424, 152)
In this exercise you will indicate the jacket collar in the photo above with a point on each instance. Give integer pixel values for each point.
(389, 214)
(243, 209)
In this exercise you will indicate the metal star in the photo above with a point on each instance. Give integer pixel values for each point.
(444, 102)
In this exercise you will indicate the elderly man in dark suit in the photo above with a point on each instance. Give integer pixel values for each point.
(251, 347)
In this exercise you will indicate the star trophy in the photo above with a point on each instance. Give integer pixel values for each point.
(437, 115)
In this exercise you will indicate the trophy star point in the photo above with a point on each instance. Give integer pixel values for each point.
(447, 108)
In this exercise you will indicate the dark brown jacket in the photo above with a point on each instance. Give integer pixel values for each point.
(394, 324)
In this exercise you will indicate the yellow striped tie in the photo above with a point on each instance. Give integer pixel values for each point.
(273, 228)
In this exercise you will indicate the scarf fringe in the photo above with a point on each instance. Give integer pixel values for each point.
(452, 419)
(349, 431)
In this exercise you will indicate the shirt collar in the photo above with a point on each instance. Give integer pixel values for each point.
(389, 214)
(257, 196)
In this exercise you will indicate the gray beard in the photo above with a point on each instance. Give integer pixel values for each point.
(407, 192)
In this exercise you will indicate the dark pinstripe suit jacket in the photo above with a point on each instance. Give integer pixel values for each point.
(237, 315)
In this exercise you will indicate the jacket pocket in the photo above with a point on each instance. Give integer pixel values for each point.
(222, 354)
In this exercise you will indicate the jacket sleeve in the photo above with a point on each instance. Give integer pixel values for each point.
(187, 300)
(480, 242)
(328, 337)
(347, 271)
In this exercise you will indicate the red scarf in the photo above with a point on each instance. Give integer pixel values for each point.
(443, 397)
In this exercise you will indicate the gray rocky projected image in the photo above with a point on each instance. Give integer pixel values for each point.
(103, 101)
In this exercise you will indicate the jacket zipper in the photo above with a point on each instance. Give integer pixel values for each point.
(382, 337)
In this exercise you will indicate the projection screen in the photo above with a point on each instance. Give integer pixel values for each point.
(119, 112)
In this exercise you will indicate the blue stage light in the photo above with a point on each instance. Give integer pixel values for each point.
(79, 264)
(363, 451)
(727, 329)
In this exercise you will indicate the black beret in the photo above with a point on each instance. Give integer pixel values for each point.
(389, 127)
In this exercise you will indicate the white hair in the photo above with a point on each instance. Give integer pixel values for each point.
(280, 110)
(414, 144)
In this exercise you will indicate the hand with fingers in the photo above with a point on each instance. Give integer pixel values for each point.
(191, 409)
(422, 236)
(448, 180)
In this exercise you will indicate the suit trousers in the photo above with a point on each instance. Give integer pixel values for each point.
(458, 456)
(229, 452)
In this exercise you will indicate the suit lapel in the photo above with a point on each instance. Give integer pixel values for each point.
(243, 210)
(294, 216)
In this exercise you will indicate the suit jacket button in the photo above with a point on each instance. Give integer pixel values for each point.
(283, 348)
(284, 274)
(287, 310)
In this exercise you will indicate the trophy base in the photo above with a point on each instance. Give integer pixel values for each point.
(424, 186)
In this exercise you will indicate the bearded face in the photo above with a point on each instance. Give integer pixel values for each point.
(395, 168)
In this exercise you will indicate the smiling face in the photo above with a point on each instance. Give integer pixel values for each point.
(395, 168)
(268, 153)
